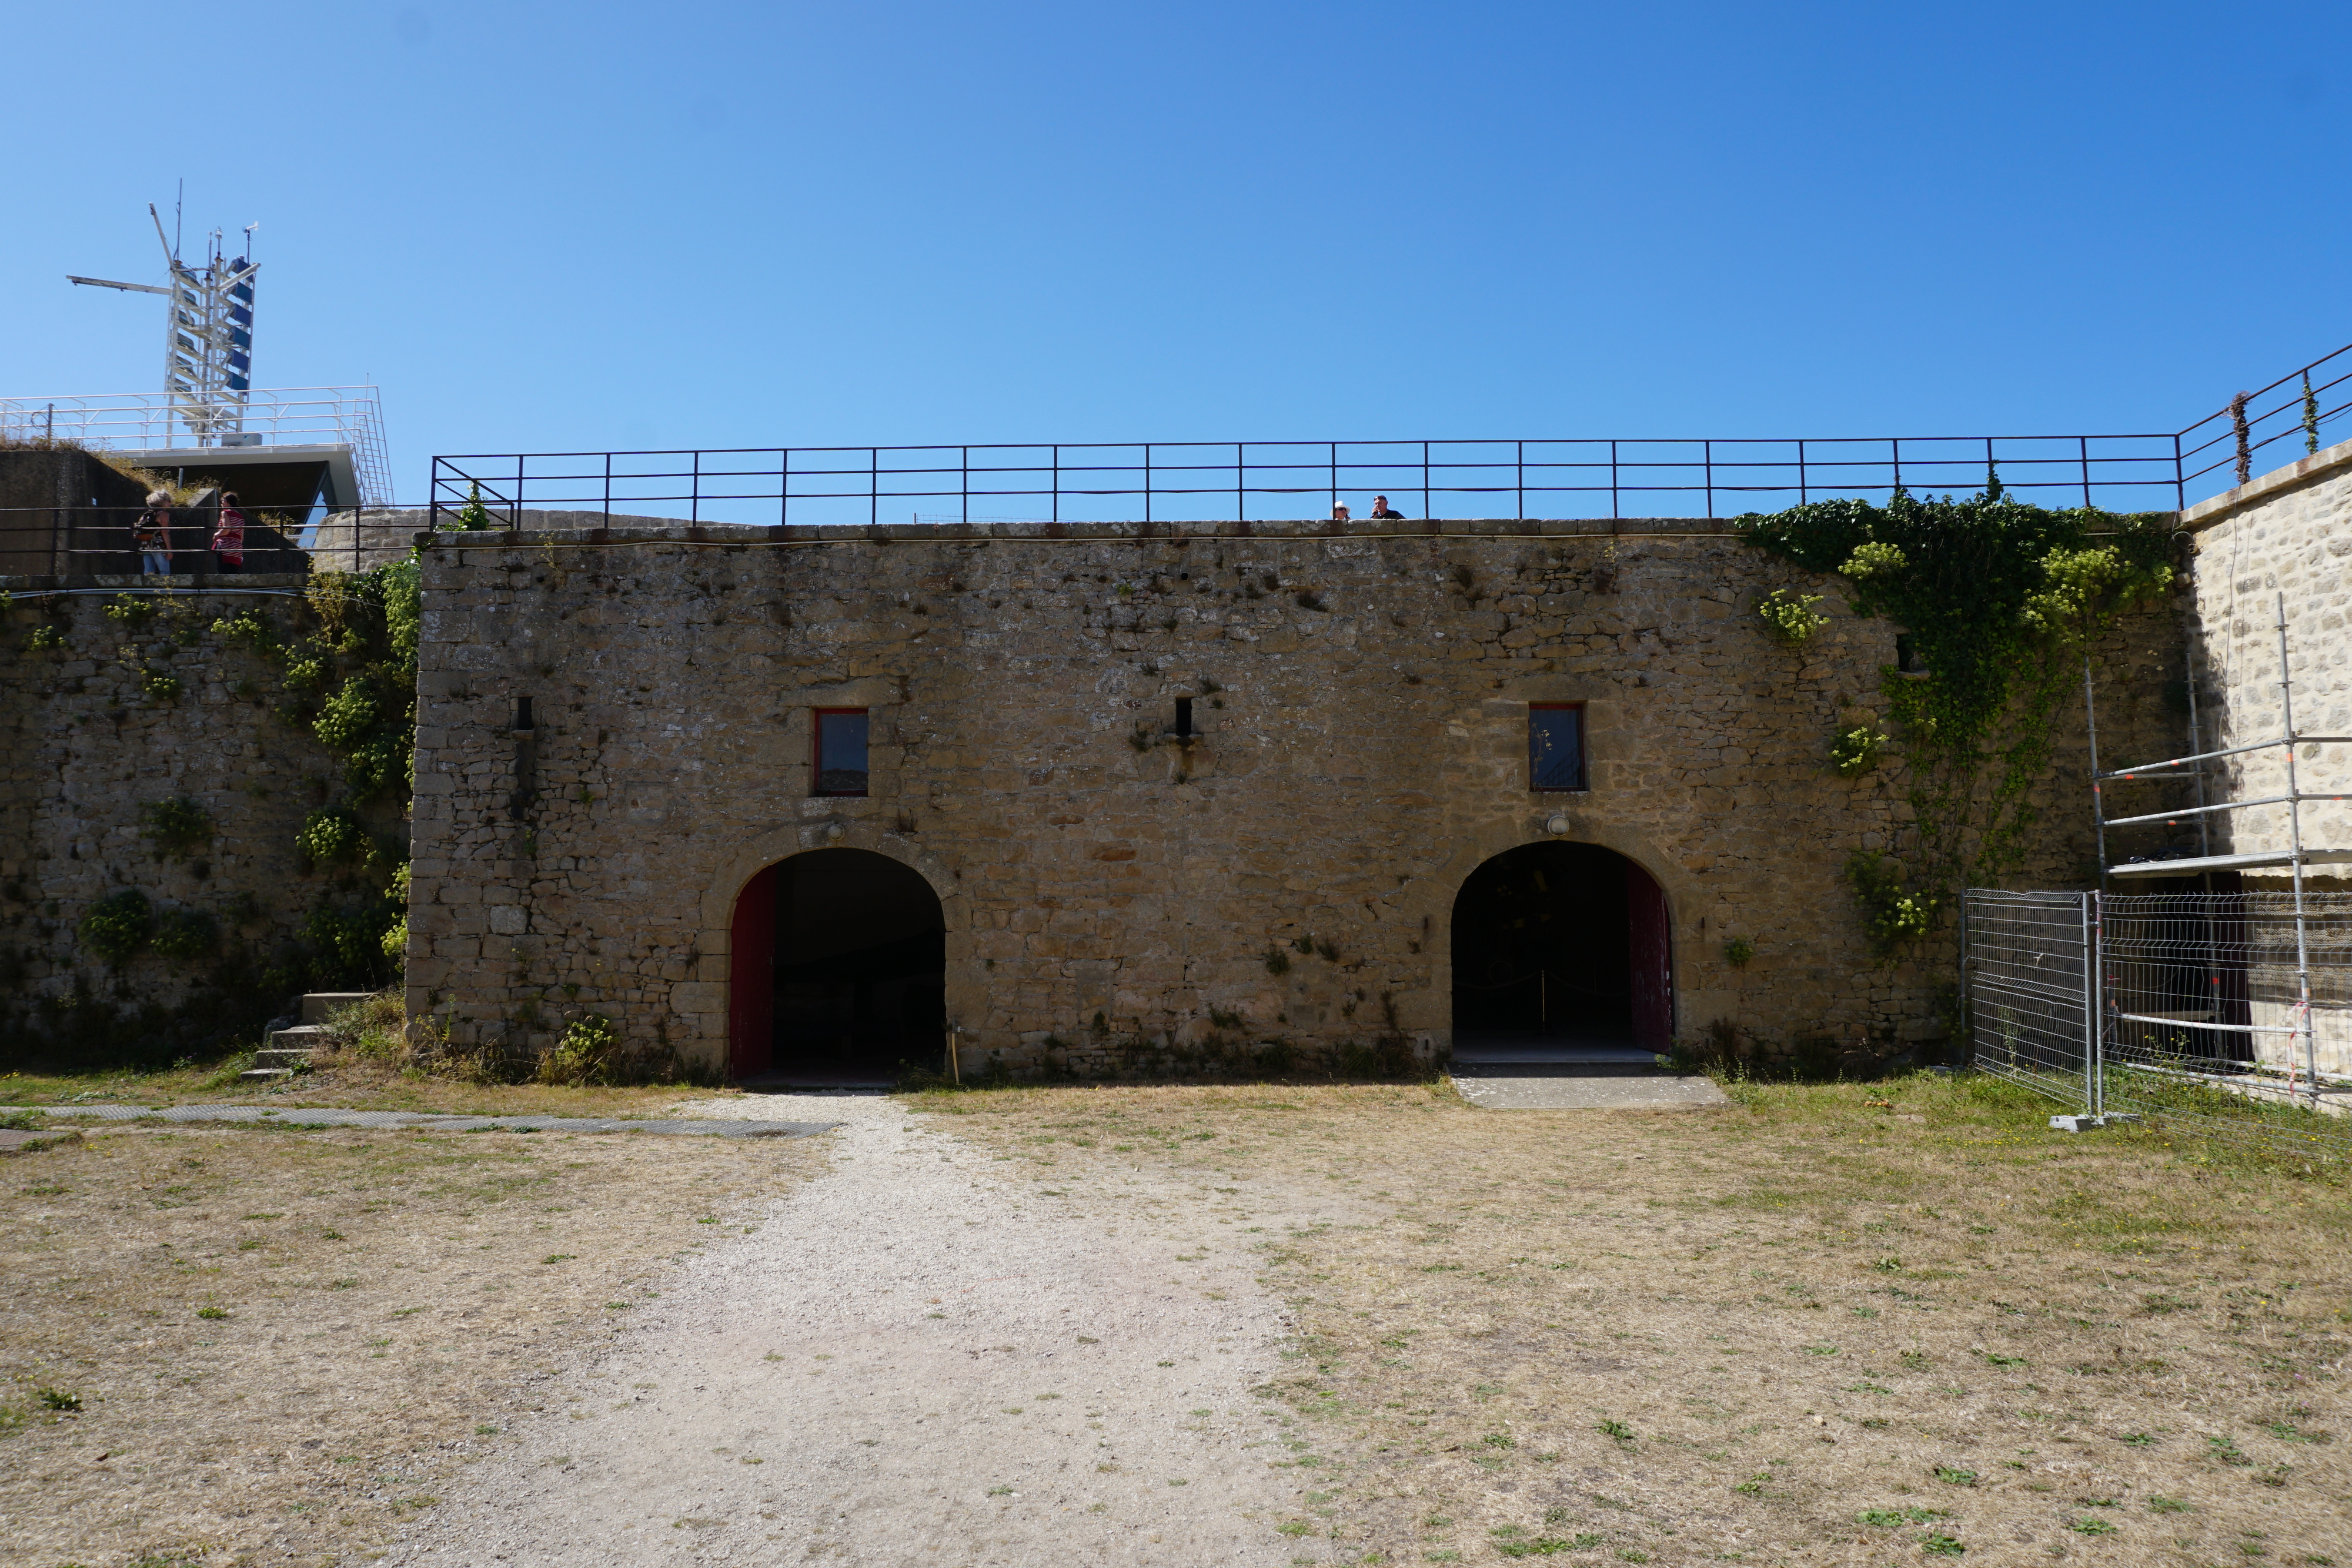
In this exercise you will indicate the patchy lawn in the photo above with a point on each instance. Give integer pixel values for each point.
(1863, 1323)
(238, 1344)
(349, 1080)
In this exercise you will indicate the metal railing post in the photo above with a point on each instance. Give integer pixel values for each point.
(1967, 1019)
(694, 501)
(1335, 476)
(2294, 844)
(1428, 510)
(783, 486)
(1803, 497)
(1519, 459)
(608, 491)
(2097, 1104)
(2090, 1005)
(2098, 790)
(1706, 455)
(873, 486)
(1615, 508)
(1146, 481)
(1241, 472)
(2083, 443)
(965, 480)
(1057, 483)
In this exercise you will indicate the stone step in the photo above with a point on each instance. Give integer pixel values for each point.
(301, 1037)
(318, 1005)
(267, 1072)
(270, 1057)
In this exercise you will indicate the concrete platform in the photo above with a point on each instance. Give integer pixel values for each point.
(1517, 1089)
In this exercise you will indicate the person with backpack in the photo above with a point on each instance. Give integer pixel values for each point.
(229, 535)
(151, 534)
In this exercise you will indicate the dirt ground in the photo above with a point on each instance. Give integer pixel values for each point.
(1852, 1323)
(1868, 1323)
(273, 1347)
(344, 1080)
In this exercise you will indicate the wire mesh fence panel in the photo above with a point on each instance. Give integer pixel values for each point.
(2205, 1021)
(2026, 959)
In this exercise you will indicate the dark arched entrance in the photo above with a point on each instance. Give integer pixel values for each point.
(1561, 953)
(839, 970)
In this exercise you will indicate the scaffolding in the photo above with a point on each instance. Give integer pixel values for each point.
(2198, 1005)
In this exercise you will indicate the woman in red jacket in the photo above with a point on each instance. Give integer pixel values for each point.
(228, 537)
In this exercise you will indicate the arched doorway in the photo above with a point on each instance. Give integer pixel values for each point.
(1560, 954)
(839, 970)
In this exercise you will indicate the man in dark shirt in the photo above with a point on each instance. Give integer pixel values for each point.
(1380, 508)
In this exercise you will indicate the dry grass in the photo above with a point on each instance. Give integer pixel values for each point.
(348, 1080)
(1863, 1324)
(280, 1343)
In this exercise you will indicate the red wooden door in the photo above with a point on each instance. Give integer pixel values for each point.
(751, 978)
(1654, 964)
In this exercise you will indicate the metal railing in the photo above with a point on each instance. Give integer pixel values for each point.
(1156, 482)
(153, 422)
(1424, 481)
(2217, 452)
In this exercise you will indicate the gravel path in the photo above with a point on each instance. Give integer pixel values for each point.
(911, 1361)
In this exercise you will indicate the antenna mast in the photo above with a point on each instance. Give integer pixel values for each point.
(207, 336)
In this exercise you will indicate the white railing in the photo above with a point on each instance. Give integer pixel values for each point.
(151, 422)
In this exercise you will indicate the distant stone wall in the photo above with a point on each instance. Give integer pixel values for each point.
(85, 747)
(2287, 533)
(1365, 750)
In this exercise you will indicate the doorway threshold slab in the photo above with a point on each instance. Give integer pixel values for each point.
(1588, 1091)
(1554, 1055)
(778, 1083)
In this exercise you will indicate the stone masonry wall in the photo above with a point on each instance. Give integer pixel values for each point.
(1363, 695)
(2287, 533)
(84, 747)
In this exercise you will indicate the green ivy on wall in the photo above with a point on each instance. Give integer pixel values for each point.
(1999, 598)
(350, 681)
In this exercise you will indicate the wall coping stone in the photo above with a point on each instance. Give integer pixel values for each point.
(2319, 464)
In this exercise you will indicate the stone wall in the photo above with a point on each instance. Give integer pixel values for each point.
(2288, 533)
(1364, 696)
(86, 745)
(2280, 542)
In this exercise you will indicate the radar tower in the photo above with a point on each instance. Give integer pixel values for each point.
(207, 335)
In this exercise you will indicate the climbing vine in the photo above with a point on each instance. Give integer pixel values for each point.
(350, 681)
(1999, 598)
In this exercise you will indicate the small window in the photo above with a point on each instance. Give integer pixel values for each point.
(1556, 746)
(841, 751)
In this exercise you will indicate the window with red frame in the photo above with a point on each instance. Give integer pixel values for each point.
(840, 761)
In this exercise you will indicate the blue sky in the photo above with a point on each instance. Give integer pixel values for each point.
(709, 224)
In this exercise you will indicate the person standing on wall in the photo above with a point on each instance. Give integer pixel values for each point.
(152, 534)
(229, 535)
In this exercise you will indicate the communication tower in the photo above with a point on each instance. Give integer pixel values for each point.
(207, 336)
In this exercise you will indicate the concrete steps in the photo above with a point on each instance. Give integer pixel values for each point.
(287, 1051)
